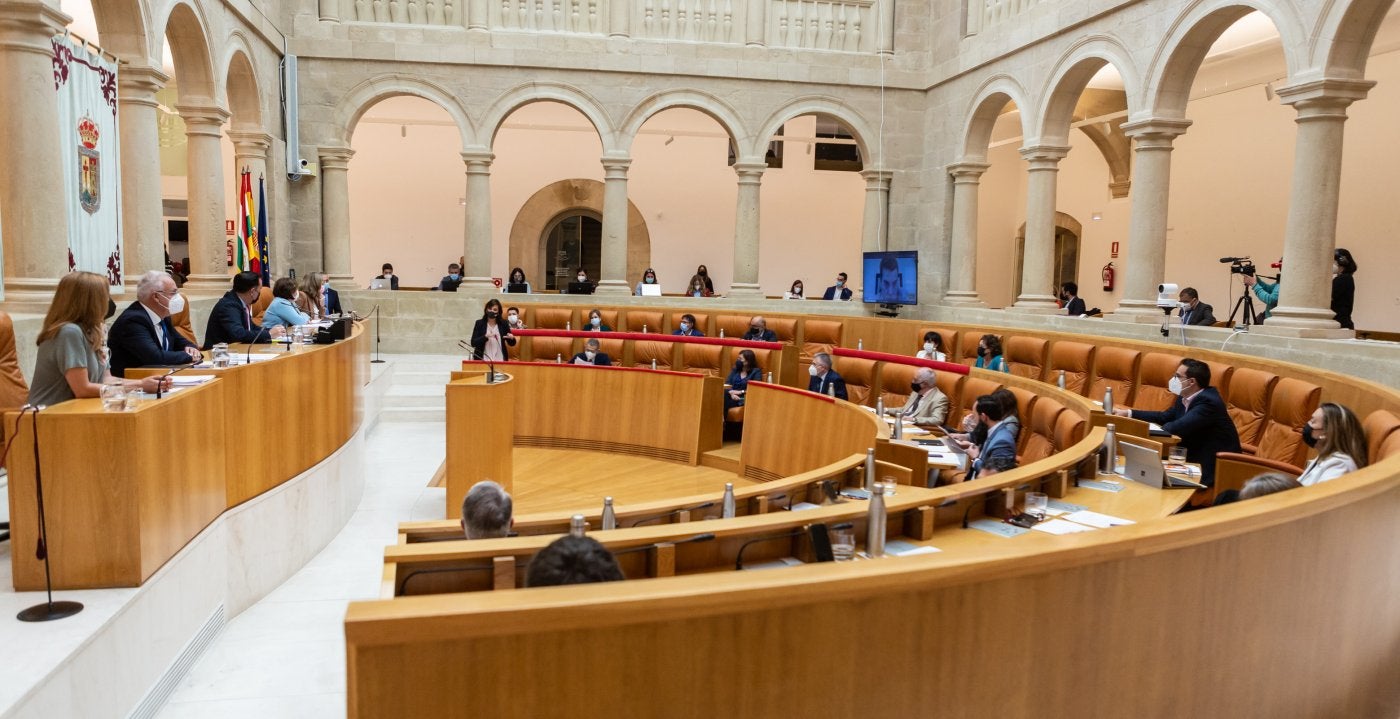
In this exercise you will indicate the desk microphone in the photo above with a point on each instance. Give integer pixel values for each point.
(249, 358)
(480, 356)
(703, 505)
(739, 558)
(707, 536)
(160, 387)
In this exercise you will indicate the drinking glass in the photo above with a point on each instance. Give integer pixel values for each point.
(133, 399)
(113, 397)
(843, 544)
(889, 483)
(221, 358)
(1177, 454)
(1036, 504)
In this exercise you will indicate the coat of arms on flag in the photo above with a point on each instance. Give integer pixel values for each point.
(89, 166)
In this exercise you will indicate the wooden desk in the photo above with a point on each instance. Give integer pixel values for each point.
(481, 419)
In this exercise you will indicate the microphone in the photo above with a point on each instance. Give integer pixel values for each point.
(160, 388)
(1227, 260)
(703, 505)
(249, 358)
(739, 558)
(707, 536)
(481, 357)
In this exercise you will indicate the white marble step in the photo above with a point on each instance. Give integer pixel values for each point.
(413, 414)
(421, 377)
(415, 395)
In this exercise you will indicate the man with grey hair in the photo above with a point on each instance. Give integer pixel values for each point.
(927, 405)
(824, 379)
(486, 511)
(142, 336)
(759, 332)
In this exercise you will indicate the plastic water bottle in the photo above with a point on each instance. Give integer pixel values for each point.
(1061, 381)
(870, 470)
(609, 516)
(727, 509)
(875, 523)
(1108, 400)
(1108, 454)
(578, 526)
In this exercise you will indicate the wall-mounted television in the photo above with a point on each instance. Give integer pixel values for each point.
(891, 277)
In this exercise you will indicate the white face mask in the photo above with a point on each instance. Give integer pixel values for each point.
(583, 278)
(1174, 385)
(812, 370)
(176, 304)
(388, 274)
(928, 346)
(595, 321)
(590, 354)
(513, 316)
(685, 326)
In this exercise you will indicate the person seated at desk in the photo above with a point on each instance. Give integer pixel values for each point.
(975, 429)
(1193, 310)
(283, 311)
(1000, 445)
(759, 332)
(648, 278)
(933, 348)
(330, 299)
(386, 273)
(687, 328)
(67, 366)
(232, 319)
(453, 279)
(486, 511)
(595, 322)
(514, 318)
(838, 291)
(745, 370)
(572, 560)
(517, 279)
(1074, 304)
(794, 292)
(927, 405)
(143, 334)
(581, 278)
(591, 355)
(989, 354)
(309, 300)
(1340, 441)
(1267, 483)
(824, 379)
(699, 288)
(1197, 416)
(491, 334)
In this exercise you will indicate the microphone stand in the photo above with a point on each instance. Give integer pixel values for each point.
(480, 357)
(160, 388)
(376, 359)
(50, 609)
(256, 337)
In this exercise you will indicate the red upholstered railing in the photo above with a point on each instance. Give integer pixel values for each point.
(614, 368)
(902, 359)
(653, 337)
(795, 390)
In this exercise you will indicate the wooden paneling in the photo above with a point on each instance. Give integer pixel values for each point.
(481, 418)
(788, 431)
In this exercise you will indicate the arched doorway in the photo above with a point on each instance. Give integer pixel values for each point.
(1068, 231)
(574, 240)
(533, 224)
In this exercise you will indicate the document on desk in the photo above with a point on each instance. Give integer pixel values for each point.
(1060, 526)
(1102, 486)
(1099, 521)
(190, 380)
(901, 548)
(775, 564)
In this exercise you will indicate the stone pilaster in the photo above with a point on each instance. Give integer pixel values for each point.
(962, 265)
(335, 215)
(613, 278)
(143, 231)
(1038, 257)
(874, 228)
(1147, 229)
(746, 229)
(209, 270)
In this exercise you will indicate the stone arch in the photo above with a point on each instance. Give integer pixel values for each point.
(187, 32)
(382, 87)
(717, 109)
(550, 92)
(1174, 66)
(553, 200)
(983, 112)
(1069, 80)
(1345, 34)
(122, 29)
(813, 105)
(241, 88)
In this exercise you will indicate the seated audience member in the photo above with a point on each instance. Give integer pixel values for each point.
(824, 379)
(452, 280)
(1197, 416)
(759, 332)
(143, 334)
(1259, 486)
(1193, 310)
(231, 320)
(515, 319)
(1074, 304)
(517, 277)
(491, 337)
(283, 311)
(745, 370)
(989, 354)
(386, 273)
(794, 292)
(330, 299)
(699, 287)
(648, 278)
(1340, 441)
(933, 348)
(309, 300)
(582, 278)
(1000, 444)
(704, 274)
(591, 355)
(688, 328)
(486, 511)
(572, 560)
(838, 291)
(927, 405)
(595, 322)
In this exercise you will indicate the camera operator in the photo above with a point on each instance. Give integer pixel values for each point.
(1343, 287)
(1266, 291)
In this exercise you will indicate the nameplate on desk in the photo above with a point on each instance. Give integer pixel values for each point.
(997, 527)
(901, 548)
(190, 380)
(1101, 485)
(1065, 506)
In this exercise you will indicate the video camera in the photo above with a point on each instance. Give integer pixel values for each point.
(1239, 265)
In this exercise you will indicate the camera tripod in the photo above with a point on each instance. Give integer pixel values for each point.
(1246, 303)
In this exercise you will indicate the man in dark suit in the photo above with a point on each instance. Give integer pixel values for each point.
(759, 332)
(838, 291)
(1074, 304)
(232, 319)
(330, 299)
(452, 280)
(1198, 417)
(999, 448)
(824, 379)
(591, 355)
(142, 335)
(1193, 310)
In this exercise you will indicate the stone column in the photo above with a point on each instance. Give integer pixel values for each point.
(619, 22)
(329, 10)
(32, 204)
(874, 228)
(478, 15)
(755, 30)
(1305, 294)
(614, 271)
(335, 215)
(886, 37)
(1147, 231)
(209, 270)
(746, 230)
(1038, 257)
(962, 265)
(250, 151)
(477, 249)
(143, 231)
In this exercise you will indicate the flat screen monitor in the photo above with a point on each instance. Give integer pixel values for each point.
(580, 288)
(890, 278)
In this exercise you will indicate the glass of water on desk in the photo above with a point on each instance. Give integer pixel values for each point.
(113, 396)
(843, 544)
(1036, 505)
(221, 358)
(1177, 454)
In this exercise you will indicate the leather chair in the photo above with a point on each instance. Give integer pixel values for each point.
(1154, 375)
(1379, 426)
(817, 336)
(551, 349)
(950, 341)
(553, 318)
(181, 321)
(608, 317)
(784, 327)
(1076, 360)
(644, 351)
(734, 326)
(702, 323)
(1038, 432)
(972, 388)
(611, 348)
(1248, 403)
(1025, 408)
(860, 376)
(1117, 368)
(704, 359)
(951, 385)
(767, 362)
(652, 321)
(1292, 405)
(260, 307)
(1069, 429)
(1220, 375)
(1028, 356)
(894, 384)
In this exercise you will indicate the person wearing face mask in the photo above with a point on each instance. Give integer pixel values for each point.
(989, 354)
(794, 292)
(999, 447)
(232, 317)
(283, 311)
(932, 348)
(452, 280)
(387, 275)
(1198, 417)
(1343, 288)
(759, 332)
(1340, 441)
(824, 379)
(927, 405)
(838, 291)
(518, 284)
(648, 278)
(1073, 303)
(699, 287)
(491, 334)
(688, 328)
(1193, 310)
(581, 284)
(745, 370)
(515, 319)
(591, 355)
(595, 322)
(704, 275)
(1266, 291)
(330, 299)
(143, 335)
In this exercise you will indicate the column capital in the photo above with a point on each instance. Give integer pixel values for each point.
(203, 119)
(1044, 157)
(877, 179)
(967, 172)
(30, 26)
(140, 82)
(478, 159)
(250, 144)
(335, 158)
(1155, 132)
(615, 166)
(750, 172)
(1327, 93)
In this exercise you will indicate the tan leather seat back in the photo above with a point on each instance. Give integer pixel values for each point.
(612, 348)
(1117, 368)
(609, 318)
(1248, 402)
(767, 362)
(1028, 356)
(553, 318)
(734, 325)
(181, 321)
(14, 391)
(860, 378)
(551, 349)
(1039, 431)
(644, 351)
(951, 385)
(1076, 359)
(704, 359)
(1156, 372)
(1025, 406)
(1292, 405)
(1378, 426)
(652, 321)
(260, 307)
(1069, 429)
(817, 336)
(784, 327)
(1220, 375)
(894, 383)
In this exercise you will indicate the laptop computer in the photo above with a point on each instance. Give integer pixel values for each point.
(518, 288)
(651, 290)
(1144, 466)
(580, 288)
(379, 283)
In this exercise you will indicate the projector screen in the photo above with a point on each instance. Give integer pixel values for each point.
(891, 277)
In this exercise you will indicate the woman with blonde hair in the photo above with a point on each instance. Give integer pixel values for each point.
(1340, 441)
(67, 366)
(309, 302)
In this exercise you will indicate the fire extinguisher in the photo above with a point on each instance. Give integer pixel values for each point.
(1108, 277)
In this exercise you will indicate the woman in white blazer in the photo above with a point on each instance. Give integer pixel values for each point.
(1340, 441)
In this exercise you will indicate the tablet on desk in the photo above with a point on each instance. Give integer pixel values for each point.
(651, 290)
